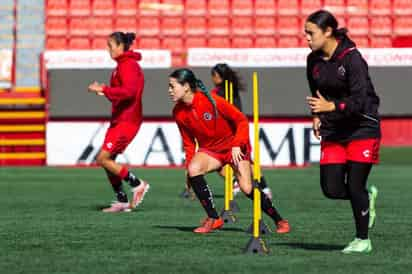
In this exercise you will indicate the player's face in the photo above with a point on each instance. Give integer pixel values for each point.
(115, 50)
(315, 36)
(176, 90)
(217, 80)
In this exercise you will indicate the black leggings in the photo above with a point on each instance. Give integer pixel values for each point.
(348, 182)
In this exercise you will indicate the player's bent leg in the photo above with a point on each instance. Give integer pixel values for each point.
(201, 164)
(243, 173)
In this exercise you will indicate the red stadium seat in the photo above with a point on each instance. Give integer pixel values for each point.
(361, 41)
(218, 26)
(149, 7)
(402, 26)
(172, 26)
(196, 7)
(402, 42)
(265, 25)
(242, 7)
(195, 42)
(126, 7)
(56, 43)
(381, 25)
(357, 7)
(242, 25)
(265, 42)
(79, 43)
(174, 44)
(341, 21)
(102, 7)
(125, 24)
(149, 43)
(242, 42)
(288, 25)
(265, 7)
(381, 42)
(79, 26)
(288, 7)
(337, 7)
(101, 26)
(402, 7)
(380, 7)
(219, 42)
(172, 7)
(358, 25)
(309, 6)
(288, 42)
(99, 43)
(195, 25)
(218, 7)
(56, 25)
(79, 7)
(56, 7)
(149, 26)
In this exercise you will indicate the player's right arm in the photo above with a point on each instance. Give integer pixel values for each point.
(189, 144)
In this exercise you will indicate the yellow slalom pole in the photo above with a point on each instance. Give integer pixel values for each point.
(227, 167)
(230, 168)
(256, 167)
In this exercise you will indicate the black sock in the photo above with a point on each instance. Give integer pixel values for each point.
(357, 177)
(120, 194)
(262, 183)
(132, 180)
(203, 193)
(267, 206)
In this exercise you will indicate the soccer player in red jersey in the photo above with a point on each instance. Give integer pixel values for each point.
(222, 133)
(345, 109)
(125, 93)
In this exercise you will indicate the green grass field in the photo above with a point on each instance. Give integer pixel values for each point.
(51, 223)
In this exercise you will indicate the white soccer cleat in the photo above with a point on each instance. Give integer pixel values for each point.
(138, 194)
(117, 207)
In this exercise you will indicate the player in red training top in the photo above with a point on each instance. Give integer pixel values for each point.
(125, 94)
(222, 133)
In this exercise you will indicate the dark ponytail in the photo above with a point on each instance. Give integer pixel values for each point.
(184, 76)
(227, 73)
(324, 19)
(123, 38)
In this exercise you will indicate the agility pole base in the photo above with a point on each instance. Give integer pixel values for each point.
(228, 217)
(263, 228)
(256, 246)
(234, 207)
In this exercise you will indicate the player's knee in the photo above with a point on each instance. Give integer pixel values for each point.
(194, 169)
(245, 185)
(332, 193)
(101, 160)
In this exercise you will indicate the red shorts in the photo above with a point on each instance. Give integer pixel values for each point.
(225, 157)
(364, 151)
(119, 136)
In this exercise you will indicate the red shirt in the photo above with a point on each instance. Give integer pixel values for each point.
(126, 89)
(197, 121)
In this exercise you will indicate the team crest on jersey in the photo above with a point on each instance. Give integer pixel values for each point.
(341, 70)
(316, 72)
(207, 116)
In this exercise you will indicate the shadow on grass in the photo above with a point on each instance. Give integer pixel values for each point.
(312, 246)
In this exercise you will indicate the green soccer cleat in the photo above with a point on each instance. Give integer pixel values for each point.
(358, 246)
(373, 194)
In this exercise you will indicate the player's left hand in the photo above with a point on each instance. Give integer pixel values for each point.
(237, 155)
(320, 104)
(96, 88)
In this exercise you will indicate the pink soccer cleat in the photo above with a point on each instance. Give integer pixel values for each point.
(117, 207)
(138, 194)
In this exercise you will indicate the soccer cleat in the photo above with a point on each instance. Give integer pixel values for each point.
(236, 187)
(117, 207)
(209, 224)
(282, 227)
(373, 194)
(138, 194)
(358, 246)
(268, 192)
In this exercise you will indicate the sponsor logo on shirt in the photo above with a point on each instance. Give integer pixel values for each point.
(341, 71)
(109, 145)
(366, 153)
(316, 72)
(207, 116)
